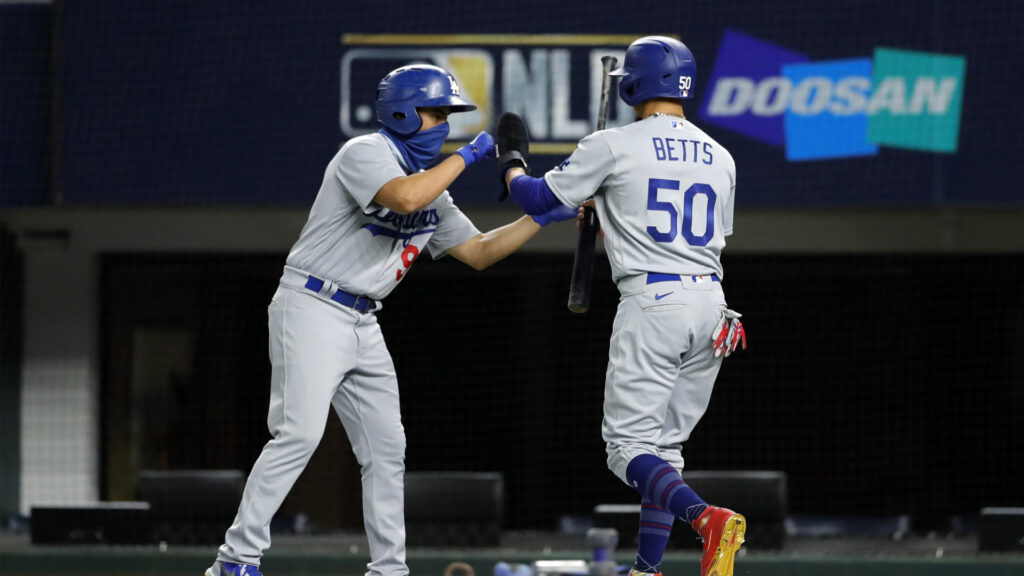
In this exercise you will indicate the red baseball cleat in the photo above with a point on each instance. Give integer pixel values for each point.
(722, 531)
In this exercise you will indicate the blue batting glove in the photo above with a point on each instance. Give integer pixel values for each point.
(482, 145)
(557, 214)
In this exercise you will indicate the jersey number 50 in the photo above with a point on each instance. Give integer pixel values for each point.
(686, 230)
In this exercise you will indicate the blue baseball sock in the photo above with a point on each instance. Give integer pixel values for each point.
(655, 527)
(660, 484)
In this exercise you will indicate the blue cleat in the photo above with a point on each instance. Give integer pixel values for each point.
(220, 568)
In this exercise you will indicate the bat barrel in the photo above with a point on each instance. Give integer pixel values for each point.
(607, 63)
(583, 264)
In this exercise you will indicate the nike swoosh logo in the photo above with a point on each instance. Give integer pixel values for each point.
(660, 296)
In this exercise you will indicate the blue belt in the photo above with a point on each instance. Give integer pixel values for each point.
(357, 303)
(655, 277)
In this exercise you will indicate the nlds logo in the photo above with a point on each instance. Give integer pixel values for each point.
(552, 80)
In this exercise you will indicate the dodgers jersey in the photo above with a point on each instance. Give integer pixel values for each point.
(663, 190)
(361, 246)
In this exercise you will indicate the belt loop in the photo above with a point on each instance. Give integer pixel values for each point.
(329, 289)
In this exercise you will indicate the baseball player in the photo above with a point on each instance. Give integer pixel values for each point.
(664, 191)
(377, 210)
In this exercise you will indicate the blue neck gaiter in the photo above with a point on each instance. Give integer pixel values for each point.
(419, 149)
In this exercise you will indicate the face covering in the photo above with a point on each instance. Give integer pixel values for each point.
(420, 148)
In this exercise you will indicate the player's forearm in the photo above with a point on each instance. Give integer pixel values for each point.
(496, 244)
(533, 195)
(413, 192)
(511, 174)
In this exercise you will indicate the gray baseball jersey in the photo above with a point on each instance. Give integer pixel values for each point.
(325, 354)
(664, 195)
(362, 247)
(664, 192)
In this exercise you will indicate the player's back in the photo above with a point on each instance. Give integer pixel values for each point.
(667, 204)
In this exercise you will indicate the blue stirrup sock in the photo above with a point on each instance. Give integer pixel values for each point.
(655, 528)
(660, 484)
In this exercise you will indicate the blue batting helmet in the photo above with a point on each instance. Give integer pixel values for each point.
(405, 89)
(656, 67)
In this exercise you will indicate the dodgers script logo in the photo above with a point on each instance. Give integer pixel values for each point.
(836, 108)
(416, 223)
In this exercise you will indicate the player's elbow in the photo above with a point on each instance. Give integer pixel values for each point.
(399, 203)
(475, 254)
(406, 205)
(479, 261)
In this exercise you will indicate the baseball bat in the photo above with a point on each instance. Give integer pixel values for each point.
(583, 262)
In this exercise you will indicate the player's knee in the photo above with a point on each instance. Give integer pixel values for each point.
(305, 438)
(620, 455)
(617, 463)
(392, 448)
(383, 450)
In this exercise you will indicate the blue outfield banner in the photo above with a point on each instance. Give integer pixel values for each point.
(178, 103)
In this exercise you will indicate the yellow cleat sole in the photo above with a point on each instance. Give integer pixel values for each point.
(732, 538)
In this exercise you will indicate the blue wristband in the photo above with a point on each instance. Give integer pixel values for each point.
(558, 214)
(467, 154)
(482, 145)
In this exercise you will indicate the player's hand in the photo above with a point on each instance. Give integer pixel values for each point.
(481, 146)
(557, 214)
(581, 213)
(512, 146)
(728, 333)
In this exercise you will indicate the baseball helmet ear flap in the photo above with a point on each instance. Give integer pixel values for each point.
(656, 67)
(405, 89)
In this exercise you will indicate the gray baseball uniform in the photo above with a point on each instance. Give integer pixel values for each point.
(326, 348)
(663, 191)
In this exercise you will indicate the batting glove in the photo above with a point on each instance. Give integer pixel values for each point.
(557, 214)
(481, 146)
(728, 334)
(512, 147)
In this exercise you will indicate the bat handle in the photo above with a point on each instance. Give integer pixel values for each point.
(583, 267)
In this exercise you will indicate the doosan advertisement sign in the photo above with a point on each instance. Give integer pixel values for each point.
(836, 108)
